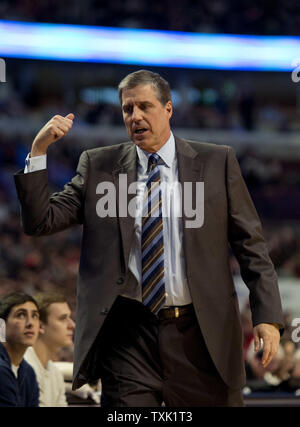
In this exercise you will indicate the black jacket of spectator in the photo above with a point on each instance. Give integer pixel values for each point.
(21, 391)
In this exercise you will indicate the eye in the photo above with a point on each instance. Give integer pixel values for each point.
(127, 109)
(20, 315)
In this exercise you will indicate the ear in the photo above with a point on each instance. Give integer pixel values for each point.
(169, 108)
(42, 328)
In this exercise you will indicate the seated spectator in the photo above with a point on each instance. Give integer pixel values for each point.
(18, 384)
(57, 328)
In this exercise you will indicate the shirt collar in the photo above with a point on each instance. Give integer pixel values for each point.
(166, 153)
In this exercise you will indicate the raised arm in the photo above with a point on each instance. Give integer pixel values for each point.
(43, 214)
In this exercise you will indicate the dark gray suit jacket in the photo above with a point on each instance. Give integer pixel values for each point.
(229, 218)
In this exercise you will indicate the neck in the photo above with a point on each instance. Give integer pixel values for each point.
(158, 146)
(15, 352)
(44, 352)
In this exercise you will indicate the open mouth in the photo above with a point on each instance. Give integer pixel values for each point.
(140, 131)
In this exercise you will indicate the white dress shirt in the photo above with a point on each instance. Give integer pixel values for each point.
(175, 274)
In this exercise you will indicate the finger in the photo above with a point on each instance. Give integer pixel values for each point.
(268, 359)
(267, 353)
(62, 121)
(273, 351)
(64, 124)
(64, 127)
(70, 116)
(56, 132)
(59, 120)
(257, 342)
(61, 124)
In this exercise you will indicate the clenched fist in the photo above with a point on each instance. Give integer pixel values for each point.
(55, 129)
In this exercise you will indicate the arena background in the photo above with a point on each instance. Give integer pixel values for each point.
(256, 112)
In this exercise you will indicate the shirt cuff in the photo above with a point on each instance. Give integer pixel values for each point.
(36, 163)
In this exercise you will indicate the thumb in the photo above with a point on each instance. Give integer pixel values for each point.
(70, 116)
(256, 342)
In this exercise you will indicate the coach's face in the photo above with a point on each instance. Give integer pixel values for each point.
(147, 121)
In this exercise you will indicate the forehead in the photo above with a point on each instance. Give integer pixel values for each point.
(58, 308)
(140, 93)
(27, 306)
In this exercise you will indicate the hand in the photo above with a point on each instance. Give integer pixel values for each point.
(270, 336)
(55, 129)
(86, 392)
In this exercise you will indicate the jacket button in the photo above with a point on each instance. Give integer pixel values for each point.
(104, 310)
(120, 281)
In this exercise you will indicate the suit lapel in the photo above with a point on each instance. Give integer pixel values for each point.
(190, 166)
(127, 167)
(190, 169)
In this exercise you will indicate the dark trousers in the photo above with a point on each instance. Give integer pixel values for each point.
(148, 362)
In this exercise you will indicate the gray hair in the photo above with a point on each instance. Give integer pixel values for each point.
(145, 77)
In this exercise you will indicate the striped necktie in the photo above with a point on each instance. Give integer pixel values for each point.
(152, 241)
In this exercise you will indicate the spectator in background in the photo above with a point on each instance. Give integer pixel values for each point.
(56, 331)
(18, 384)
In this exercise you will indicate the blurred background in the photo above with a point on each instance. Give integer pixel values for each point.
(256, 112)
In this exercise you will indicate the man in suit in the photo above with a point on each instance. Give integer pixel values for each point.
(157, 313)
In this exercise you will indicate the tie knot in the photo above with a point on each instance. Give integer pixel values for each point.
(152, 162)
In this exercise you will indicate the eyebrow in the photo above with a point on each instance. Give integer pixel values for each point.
(64, 315)
(147, 103)
(23, 310)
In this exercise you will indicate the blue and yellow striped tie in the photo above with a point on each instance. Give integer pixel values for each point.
(153, 280)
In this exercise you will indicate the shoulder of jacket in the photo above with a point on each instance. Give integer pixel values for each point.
(108, 150)
(208, 146)
(28, 368)
(204, 148)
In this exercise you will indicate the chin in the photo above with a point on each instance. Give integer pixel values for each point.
(144, 145)
(30, 341)
(138, 142)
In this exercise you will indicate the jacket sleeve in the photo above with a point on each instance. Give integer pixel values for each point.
(43, 214)
(8, 392)
(35, 395)
(249, 247)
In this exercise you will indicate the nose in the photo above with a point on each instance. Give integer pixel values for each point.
(29, 321)
(71, 324)
(136, 114)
